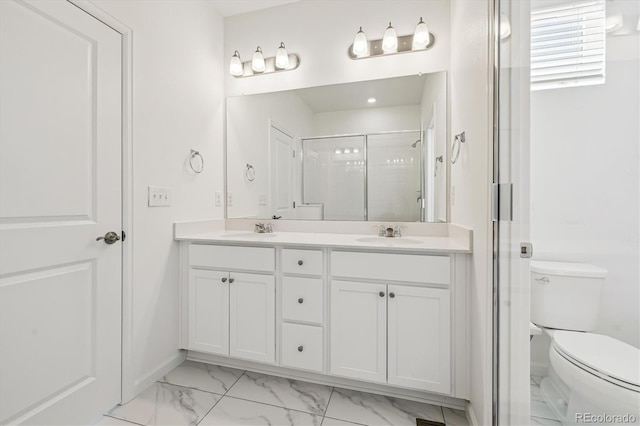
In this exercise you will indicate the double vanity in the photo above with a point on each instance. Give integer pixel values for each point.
(386, 315)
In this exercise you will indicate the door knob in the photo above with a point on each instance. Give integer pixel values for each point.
(109, 238)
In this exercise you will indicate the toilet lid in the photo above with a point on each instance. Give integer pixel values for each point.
(604, 354)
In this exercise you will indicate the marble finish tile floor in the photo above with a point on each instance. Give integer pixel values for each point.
(207, 395)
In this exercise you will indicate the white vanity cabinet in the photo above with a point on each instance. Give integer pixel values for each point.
(392, 333)
(386, 320)
(302, 343)
(232, 313)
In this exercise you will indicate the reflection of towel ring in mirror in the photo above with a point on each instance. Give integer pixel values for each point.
(195, 154)
(458, 140)
(249, 173)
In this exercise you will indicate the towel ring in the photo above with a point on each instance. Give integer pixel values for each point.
(196, 154)
(458, 140)
(250, 173)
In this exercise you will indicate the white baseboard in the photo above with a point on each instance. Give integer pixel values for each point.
(163, 369)
(538, 369)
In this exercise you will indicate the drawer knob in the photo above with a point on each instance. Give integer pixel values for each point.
(300, 262)
(300, 300)
(381, 294)
(392, 295)
(231, 280)
(224, 280)
(300, 348)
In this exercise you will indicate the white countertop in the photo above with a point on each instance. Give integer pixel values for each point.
(420, 244)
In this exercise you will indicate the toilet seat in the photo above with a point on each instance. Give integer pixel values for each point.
(605, 357)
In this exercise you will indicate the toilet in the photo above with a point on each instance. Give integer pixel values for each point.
(592, 378)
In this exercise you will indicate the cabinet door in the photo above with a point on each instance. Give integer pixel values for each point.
(419, 338)
(253, 317)
(358, 330)
(209, 311)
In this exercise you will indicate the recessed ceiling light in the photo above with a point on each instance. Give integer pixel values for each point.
(371, 100)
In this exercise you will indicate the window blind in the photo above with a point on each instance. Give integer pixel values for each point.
(568, 45)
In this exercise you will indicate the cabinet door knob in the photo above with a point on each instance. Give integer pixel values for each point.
(381, 294)
(392, 295)
(300, 262)
(300, 300)
(231, 280)
(300, 348)
(224, 280)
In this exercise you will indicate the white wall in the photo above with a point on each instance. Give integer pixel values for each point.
(248, 135)
(367, 120)
(177, 105)
(470, 179)
(585, 186)
(320, 32)
(434, 104)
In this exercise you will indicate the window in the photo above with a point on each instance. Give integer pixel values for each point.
(568, 45)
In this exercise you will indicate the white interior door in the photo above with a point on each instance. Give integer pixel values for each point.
(60, 188)
(282, 166)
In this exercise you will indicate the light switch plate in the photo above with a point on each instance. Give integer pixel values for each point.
(229, 199)
(262, 199)
(218, 199)
(159, 196)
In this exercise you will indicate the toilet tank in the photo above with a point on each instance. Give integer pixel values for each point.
(566, 295)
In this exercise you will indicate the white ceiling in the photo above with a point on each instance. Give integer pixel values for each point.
(237, 7)
(341, 97)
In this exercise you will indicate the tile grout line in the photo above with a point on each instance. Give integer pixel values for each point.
(444, 420)
(276, 406)
(225, 394)
(324, 413)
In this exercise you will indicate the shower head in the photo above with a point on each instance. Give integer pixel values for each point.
(413, 145)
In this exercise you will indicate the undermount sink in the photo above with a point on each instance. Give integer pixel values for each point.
(388, 240)
(256, 235)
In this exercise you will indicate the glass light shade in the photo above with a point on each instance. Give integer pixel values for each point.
(390, 40)
(282, 57)
(360, 44)
(257, 63)
(235, 67)
(421, 35)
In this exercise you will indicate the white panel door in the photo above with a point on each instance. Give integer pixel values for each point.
(253, 316)
(60, 188)
(419, 338)
(209, 311)
(281, 164)
(359, 330)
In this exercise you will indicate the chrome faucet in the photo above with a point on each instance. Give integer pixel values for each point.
(261, 228)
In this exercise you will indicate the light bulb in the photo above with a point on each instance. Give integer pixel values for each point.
(257, 63)
(360, 44)
(235, 67)
(390, 40)
(282, 57)
(371, 100)
(420, 36)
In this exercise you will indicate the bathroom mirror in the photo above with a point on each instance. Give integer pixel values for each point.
(373, 150)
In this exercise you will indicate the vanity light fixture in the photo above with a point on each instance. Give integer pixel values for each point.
(283, 61)
(420, 36)
(282, 57)
(235, 67)
(391, 43)
(338, 151)
(356, 150)
(257, 63)
(390, 40)
(360, 44)
(347, 151)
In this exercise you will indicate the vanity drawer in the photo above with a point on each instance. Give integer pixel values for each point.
(301, 346)
(302, 299)
(392, 267)
(231, 257)
(307, 262)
